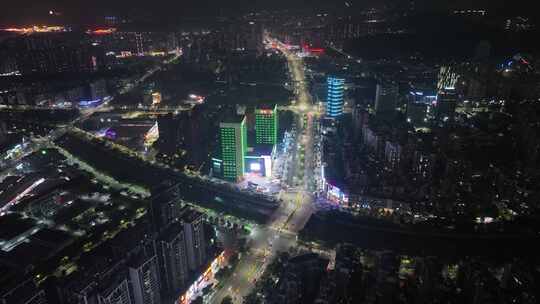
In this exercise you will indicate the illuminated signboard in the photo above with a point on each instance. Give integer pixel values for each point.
(156, 98)
(203, 281)
(336, 195)
(268, 112)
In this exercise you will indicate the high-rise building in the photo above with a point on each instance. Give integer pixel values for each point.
(233, 135)
(448, 78)
(116, 291)
(144, 278)
(164, 205)
(139, 42)
(392, 154)
(24, 291)
(217, 167)
(103, 277)
(335, 96)
(195, 241)
(420, 100)
(386, 98)
(446, 105)
(169, 129)
(172, 252)
(197, 128)
(98, 89)
(266, 124)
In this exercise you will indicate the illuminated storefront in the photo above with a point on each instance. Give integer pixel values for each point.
(335, 194)
(204, 280)
(332, 191)
(152, 135)
(259, 160)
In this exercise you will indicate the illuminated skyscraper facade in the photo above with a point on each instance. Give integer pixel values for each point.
(233, 135)
(335, 97)
(266, 124)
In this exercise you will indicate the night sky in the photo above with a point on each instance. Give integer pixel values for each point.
(83, 10)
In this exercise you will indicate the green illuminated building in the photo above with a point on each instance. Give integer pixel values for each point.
(233, 135)
(266, 124)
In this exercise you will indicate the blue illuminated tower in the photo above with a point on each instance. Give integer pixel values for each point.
(334, 98)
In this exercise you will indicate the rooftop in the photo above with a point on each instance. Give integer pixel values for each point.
(171, 232)
(233, 119)
(51, 238)
(12, 225)
(25, 255)
(140, 258)
(190, 215)
(267, 106)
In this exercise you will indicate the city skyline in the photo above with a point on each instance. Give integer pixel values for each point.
(50, 12)
(252, 152)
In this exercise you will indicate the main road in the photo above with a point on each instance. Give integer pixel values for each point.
(296, 208)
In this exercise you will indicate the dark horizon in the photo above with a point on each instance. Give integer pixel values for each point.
(79, 12)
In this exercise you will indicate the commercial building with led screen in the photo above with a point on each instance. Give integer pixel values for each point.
(259, 160)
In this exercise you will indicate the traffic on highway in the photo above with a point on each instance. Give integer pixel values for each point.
(296, 201)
